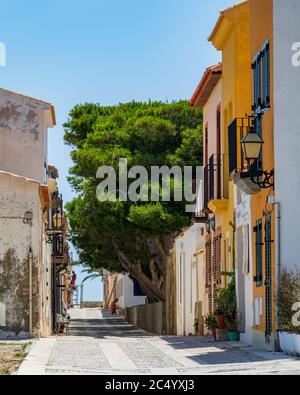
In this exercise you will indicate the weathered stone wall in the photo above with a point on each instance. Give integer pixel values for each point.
(148, 317)
(23, 135)
(17, 196)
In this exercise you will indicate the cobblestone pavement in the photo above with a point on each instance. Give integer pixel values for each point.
(102, 344)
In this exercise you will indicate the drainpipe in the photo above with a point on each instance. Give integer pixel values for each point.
(30, 291)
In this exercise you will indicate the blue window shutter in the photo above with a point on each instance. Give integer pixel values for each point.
(256, 66)
(232, 145)
(266, 75)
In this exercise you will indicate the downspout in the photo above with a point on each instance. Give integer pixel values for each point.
(30, 291)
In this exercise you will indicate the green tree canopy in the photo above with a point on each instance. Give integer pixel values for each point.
(125, 236)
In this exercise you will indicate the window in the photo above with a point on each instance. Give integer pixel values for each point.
(217, 259)
(208, 264)
(232, 145)
(257, 82)
(137, 289)
(268, 274)
(246, 254)
(206, 146)
(266, 83)
(261, 79)
(259, 249)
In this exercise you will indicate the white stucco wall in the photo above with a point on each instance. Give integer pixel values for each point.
(244, 279)
(187, 246)
(210, 118)
(286, 126)
(125, 293)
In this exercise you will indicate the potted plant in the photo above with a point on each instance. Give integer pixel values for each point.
(233, 333)
(211, 325)
(220, 318)
(226, 311)
(287, 301)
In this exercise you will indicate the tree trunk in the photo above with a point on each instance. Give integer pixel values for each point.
(135, 270)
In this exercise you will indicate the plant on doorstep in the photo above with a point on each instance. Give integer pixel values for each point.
(226, 310)
(211, 325)
(220, 318)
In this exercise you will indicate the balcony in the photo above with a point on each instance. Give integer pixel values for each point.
(202, 211)
(217, 189)
(56, 218)
(238, 167)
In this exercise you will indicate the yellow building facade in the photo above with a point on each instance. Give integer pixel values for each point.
(244, 35)
(231, 37)
(263, 214)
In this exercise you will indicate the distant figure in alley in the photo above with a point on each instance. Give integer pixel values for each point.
(114, 306)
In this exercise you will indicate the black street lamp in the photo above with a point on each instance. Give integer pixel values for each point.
(252, 146)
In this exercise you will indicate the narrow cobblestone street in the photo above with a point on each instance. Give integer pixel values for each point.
(102, 344)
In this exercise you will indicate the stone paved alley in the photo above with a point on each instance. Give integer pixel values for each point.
(102, 344)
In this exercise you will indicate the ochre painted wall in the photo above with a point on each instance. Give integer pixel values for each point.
(236, 95)
(261, 29)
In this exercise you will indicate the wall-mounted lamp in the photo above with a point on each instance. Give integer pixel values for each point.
(252, 146)
(28, 216)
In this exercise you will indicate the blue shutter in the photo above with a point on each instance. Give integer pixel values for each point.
(266, 75)
(256, 66)
(232, 145)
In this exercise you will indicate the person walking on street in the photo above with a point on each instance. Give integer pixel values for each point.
(114, 306)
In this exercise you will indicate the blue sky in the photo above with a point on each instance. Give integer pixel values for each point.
(105, 51)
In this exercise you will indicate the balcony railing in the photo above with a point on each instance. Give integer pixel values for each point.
(201, 212)
(237, 130)
(55, 219)
(58, 246)
(216, 169)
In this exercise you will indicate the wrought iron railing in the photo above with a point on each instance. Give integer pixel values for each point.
(216, 177)
(55, 215)
(237, 130)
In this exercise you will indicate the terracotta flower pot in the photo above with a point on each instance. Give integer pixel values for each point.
(221, 321)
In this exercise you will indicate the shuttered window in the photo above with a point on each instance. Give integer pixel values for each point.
(266, 83)
(217, 259)
(268, 282)
(232, 144)
(259, 249)
(208, 264)
(256, 66)
(262, 79)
